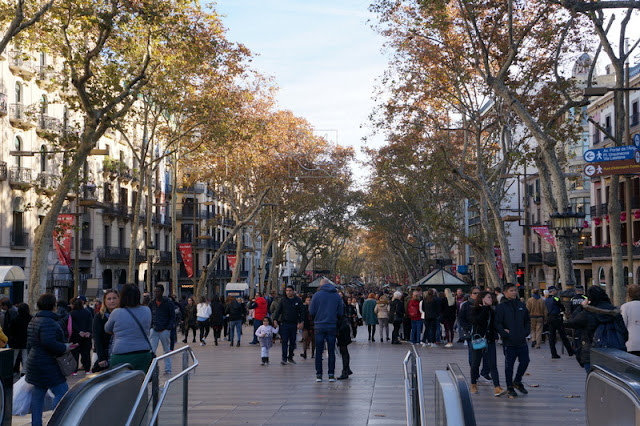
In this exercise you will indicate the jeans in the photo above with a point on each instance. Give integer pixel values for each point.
(430, 330)
(344, 353)
(235, 327)
(396, 331)
(37, 400)
(485, 363)
(384, 327)
(164, 337)
(256, 324)
(490, 363)
(328, 335)
(288, 334)
(416, 331)
(204, 329)
(510, 355)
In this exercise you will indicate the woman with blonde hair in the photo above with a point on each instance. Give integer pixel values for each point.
(448, 315)
(382, 313)
(102, 340)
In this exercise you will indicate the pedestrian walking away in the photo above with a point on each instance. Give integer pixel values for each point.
(190, 320)
(538, 314)
(325, 309)
(513, 325)
(396, 314)
(369, 317)
(202, 315)
(382, 313)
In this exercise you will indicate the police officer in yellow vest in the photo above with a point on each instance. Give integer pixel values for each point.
(555, 309)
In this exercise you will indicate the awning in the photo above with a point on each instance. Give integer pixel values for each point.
(11, 273)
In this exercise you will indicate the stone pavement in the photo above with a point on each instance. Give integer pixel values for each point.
(230, 387)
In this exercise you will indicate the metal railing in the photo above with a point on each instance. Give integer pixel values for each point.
(413, 391)
(158, 394)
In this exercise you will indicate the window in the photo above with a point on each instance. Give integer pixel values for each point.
(121, 237)
(18, 93)
(107, 236)
(635, 116)
(44, 105)
(17, 143)
(607, 125)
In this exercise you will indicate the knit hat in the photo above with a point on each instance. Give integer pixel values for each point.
(551, 287)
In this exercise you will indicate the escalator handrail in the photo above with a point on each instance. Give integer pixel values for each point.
(464, 394)
(149, 375)
(628, 383)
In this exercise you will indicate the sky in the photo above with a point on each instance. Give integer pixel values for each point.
(325, 59)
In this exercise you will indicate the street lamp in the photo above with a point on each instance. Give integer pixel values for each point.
(567, 225)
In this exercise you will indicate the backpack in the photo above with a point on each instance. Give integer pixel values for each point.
(413, 311)
(611, 334)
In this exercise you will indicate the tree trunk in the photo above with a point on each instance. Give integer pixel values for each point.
(135, 229)
(43, 237)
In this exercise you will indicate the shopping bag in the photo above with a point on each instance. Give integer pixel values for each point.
(22, 397)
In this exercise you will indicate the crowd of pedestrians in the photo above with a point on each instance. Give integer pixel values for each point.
(128, 327)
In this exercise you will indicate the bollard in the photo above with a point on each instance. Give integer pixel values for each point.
(6, 386)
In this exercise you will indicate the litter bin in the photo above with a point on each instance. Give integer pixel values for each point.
(6, 386)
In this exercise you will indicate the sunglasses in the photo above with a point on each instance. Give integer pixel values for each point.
(476, 292)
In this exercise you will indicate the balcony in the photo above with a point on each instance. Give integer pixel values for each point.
(47, 183)
(197, 188)
(534, 258)
(229, 223)
(223, 274)
(20, 177)
(21, 64)
(89, 196)
(121, 211)
(3, 170)
(106, 254)
(21, 116)
(49, 127)
(231, 248)
(165, 256)
(597, 251)
(635, 204)
(3, 104)
(19, 240)
(45, 77)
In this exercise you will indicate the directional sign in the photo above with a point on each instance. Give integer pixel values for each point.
(607, 168)
(636, 140)
(614, 153)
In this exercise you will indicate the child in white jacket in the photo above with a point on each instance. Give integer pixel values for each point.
(265, 336)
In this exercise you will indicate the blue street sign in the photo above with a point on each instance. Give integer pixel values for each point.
(636, 140)
(614, 153)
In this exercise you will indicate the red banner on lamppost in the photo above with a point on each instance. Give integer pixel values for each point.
(545, 233)
(186, 250)
(499, 267)
(62, 238)
(231, 258)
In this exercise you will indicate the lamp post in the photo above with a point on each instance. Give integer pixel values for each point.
(567, 225)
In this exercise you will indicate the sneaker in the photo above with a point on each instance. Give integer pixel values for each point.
(291, 361)
(304, 355)
(511, 393)
(318, 377)
(238, 344)
(533, 344)
(423, 344)
(498, 391)
(484, 379)
(448, 345)
(283, 362)
(474, 388)
(555, 356)
(332, 378)
(520, 387)
(201, 343)
(184, 340)
(344, 376)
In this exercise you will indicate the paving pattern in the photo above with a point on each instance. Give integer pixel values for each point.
(230, 387)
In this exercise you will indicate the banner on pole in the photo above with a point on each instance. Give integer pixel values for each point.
(544, 232)
(62, 238)
(231, 258)
(499, 267)
(186, 250)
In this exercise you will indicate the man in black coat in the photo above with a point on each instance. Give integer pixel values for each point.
(288, 317)
(514, 325)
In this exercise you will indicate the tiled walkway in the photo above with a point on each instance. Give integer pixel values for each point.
(230, 387)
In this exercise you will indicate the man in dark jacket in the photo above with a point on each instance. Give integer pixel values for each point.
(236, 311)
(288, 317)
(325, 309)
(555, 308)
(163, 319)
(514, 325)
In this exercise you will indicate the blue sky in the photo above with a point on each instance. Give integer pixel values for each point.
(324, 56)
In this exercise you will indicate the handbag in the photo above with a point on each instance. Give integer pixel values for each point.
(153, 354)
(478, 342)
(67, 363)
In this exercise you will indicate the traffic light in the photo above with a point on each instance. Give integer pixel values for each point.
(520, 274)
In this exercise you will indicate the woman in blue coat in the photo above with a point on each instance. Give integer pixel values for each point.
(45, 343)
(369, 316)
